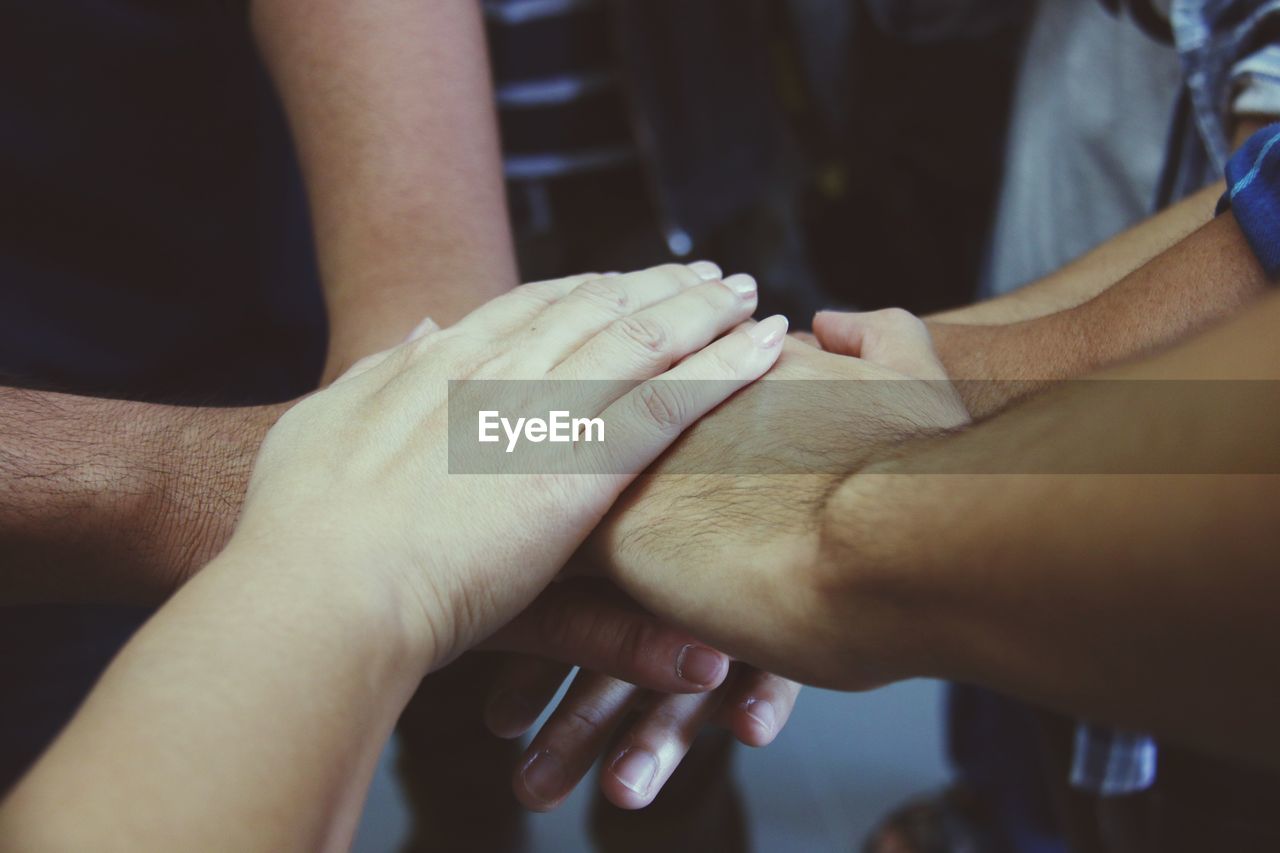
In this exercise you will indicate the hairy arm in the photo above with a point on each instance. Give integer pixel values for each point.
(112, 500)
(1105, 548)
(1145, 597)
(389, 101)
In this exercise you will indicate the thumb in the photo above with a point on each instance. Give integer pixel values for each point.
(840, 332)
(892, 338)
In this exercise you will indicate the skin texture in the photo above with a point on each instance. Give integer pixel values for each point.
(1103, 266)
(902, 569)
(1167, 277)
(116, 501)
(1096, 270)
(298, 646)
(405, 184)
(387, 101)
(746, 531)
(1201, 280)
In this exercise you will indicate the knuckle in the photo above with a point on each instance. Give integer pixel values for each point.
(899, 320)
(720, 366)
(645, 333)
(584, 716)
(662, 405)
(604, 293)
(679, 274)
(634, 641)
(537, 295)
(558, 625)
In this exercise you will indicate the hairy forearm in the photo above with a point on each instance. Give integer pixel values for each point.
(1144, 597)
(1206, 277)
(718, 535)
(248, 714)
(112, 500)
(388, 104)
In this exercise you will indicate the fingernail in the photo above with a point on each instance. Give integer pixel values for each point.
(769, 333)
(510, 709)
(699, 665)
(425, 327)
(741, 284)
(636, 768)
(706, 270)
(543, 777)
(762, 712)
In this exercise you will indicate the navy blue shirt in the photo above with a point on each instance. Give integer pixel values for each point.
(1253, 194)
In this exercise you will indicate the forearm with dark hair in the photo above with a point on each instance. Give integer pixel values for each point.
(1144, 597)
(112, 500)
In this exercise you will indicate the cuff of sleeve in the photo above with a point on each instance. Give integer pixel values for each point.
(1253, 195)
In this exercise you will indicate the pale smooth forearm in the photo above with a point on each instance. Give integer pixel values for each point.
(1143, 599)
(114, 500)
(1203, 279)
(247, 714)
(389, 104)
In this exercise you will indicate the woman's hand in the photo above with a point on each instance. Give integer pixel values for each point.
(355, 481)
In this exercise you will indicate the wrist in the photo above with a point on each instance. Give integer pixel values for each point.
(312, 576)
(871, 580)
(202, 460)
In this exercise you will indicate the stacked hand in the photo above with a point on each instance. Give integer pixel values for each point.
(681, 518)
(363, 467)
(733, 557)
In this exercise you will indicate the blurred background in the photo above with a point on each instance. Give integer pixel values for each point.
(844, 152)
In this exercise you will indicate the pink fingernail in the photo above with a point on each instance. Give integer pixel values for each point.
(426, 327)
(762, 712)
(636, 768)
(543, 777)
(769, 333)
(741, 284)
(699, 665)
(706, 270)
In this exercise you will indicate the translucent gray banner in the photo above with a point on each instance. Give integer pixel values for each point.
(841, 426)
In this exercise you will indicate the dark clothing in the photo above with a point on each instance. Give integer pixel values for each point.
(153, 235)
(153, 245)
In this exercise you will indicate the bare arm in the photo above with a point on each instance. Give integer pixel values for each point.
(1206, 277)
(997, 554)
(249, 713)
(1095, 271)
(112, 500)
(1103, 266)
(390, 102)
(1140, 599)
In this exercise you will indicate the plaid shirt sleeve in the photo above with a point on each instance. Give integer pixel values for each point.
(1111, 762)
(1253, 195)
